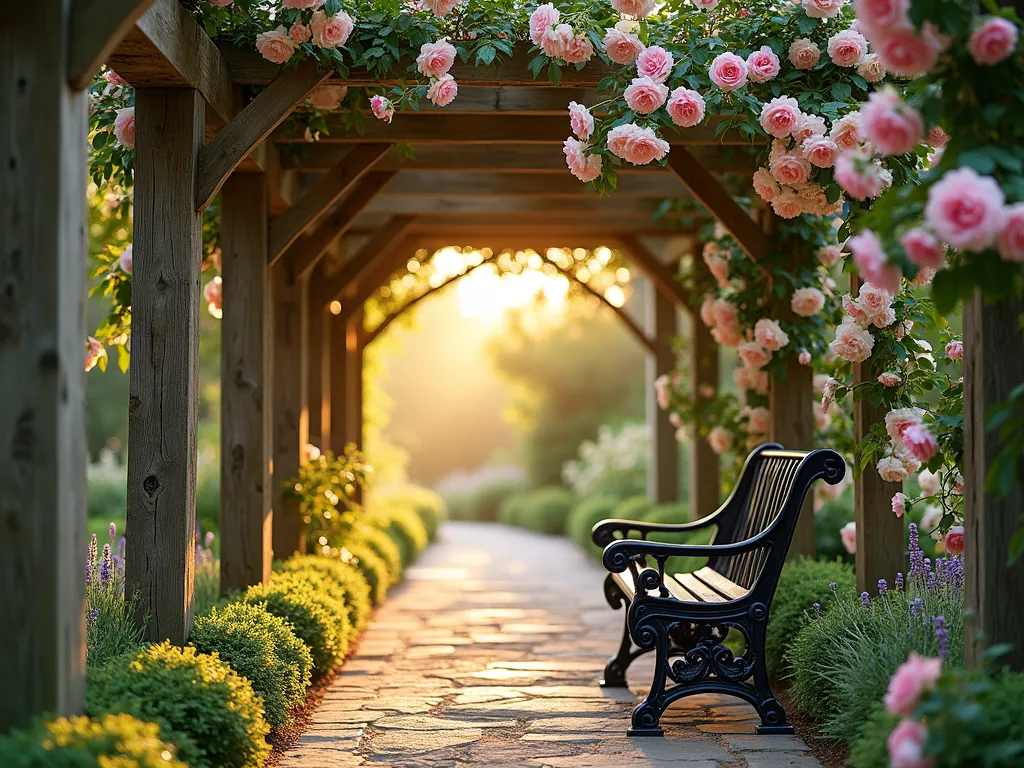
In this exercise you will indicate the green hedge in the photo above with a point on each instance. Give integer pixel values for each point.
(543, 509)
(404, 527)
(83, 742)
(482, 503)
(584, 516)
(428, 505)
(373, 567)
(262, 648)
(341, 580)
(203, 707)
(384, 546)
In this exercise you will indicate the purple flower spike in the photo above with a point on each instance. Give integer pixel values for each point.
(865, 599)
(817, 608)
(94, 613)
(106, 568)
(916, 555)
(916, 606)
(899, 580)
(113, 531)
(832, 586)
(883, 586)
(942, 635)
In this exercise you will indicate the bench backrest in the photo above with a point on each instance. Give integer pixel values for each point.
(760, 497)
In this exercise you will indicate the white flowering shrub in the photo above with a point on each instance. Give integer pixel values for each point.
(615, 464)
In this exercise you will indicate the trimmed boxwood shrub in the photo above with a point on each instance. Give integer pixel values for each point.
(344, 581)
(544, 509)
(317, 620)
(262, 648)
(203, 706)
(82, 742)
(673, 513)
(633, 508)
(384, 546)
(372, 567)
(482, 503)
(585, 515)
(802, 583)
(425, 503)
(404, 527)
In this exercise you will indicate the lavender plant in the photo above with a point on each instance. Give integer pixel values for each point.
(111, 627)
(843, 659)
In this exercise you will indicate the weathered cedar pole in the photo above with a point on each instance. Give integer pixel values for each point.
(705, 483)
(792, 418)
(245, 488)
(42, 329)
(994, 593)
(338, 381)
(287, 309)
(354, 353)
(315, 333)
(879, 532)
(663, 459)
(163, 411)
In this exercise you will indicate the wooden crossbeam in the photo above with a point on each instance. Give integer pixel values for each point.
(302, 256)
(97, 26)
(481, 185)
(523, 158)
(656, 271)
(530, 207)
(166, 48)
(417, 128)
(251, 126)
(378, 254)
(249, 68)
(331, 187)
(720, 203)
(481, 226)
(539, 100)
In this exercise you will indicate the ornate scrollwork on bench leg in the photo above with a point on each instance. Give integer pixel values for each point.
(651, 633)
(615, 669)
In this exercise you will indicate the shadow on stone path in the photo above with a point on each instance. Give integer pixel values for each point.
(489, 655)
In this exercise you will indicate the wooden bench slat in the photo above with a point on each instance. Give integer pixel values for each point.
(625, 582)
(678, 591)
(703, 592)
(730, 590)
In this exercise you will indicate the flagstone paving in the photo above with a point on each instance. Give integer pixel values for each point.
(489, 655)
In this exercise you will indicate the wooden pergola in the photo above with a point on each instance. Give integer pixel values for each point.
(487, 172)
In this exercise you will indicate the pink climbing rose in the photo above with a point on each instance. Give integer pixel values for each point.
(753, 354)
(719, 439)
(685, 107)
(965, 210)
(906, 745)
(790, 168)
(124, 127)
(822, 9)
(763, 64)
(728, 71)
(830, 254)
(912, 679)
(436, 59)
(299, 32)
(892, 126)
(848, 535)
(443, 91)
(820, 151)
(328, 97)
(331, 32)
(858, 175)
(878, 16)
(804, 53)
(905, 52)
(656, 63)
(765, 185)
(954, 542)
(846, 131)
(645, 95)
(622, 47)
(636, 145)
(581, 121)
(382, 108)
(853, 343)
(922, 248)
(920, 442)
(1010, 242)
(870, 259)
(542, 20)
(578, 49)
(807, 302)
(847, 48)
(441, 7)
(898, 504)
(780, 116)
(769, 334)
(637, 8)
(889, 379)
(992, 41)
(804, 358)
(584, 167)
(955, 350)
(302, 4)
(892, 469)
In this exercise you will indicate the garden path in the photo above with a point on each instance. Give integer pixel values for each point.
(489, 655)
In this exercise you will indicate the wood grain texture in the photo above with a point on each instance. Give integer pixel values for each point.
(328, 189)
(304, 254)
(493, 229)
(251, 126)
(531, 208)
(166, 48)
(720, 203)
(880, 534)
(367, 268)
(994, 591)
(541, 185)
(661, 275)
(705, 480)
(793, 426)
(163, 410)
(245, 495)
(662, 324)
(462, 129)
(97, 26)
(42, 411)
(249, 68)
(523, 158)
(287, 353)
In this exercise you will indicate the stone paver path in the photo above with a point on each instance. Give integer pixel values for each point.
(489, 655)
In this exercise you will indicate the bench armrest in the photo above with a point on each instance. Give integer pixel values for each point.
(620, 554)
(604, 532)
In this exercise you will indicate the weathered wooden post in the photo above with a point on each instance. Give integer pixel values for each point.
(287, 307)
(316, 333)
(663, 457)
(245, 486)
(354, 349)
(705, 482)
(338, 381)
(994, 591)
(163, 409)
(880, 533)
(42, 334)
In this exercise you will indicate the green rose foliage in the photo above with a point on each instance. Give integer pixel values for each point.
(83, 742)
(262, 648)
(206, 709)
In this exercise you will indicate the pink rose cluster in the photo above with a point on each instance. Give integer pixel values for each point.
(663, 391)
(717, 264)
(558, 40)
(636, 145)
(719, 439)
(758, 423)
(278, 45)
(911, 681)
(901, 47)
(583, 165)
(636, 8)
(967, 211)
(723, 320)
(768, 338)
(873, 306)
(911, 445)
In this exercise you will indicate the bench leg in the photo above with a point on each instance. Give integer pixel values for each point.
(773, 715)
(615, 669)
(647, 714)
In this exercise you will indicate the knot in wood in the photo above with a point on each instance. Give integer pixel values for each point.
(151, 485)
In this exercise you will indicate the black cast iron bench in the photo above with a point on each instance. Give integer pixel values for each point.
(685, 617)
